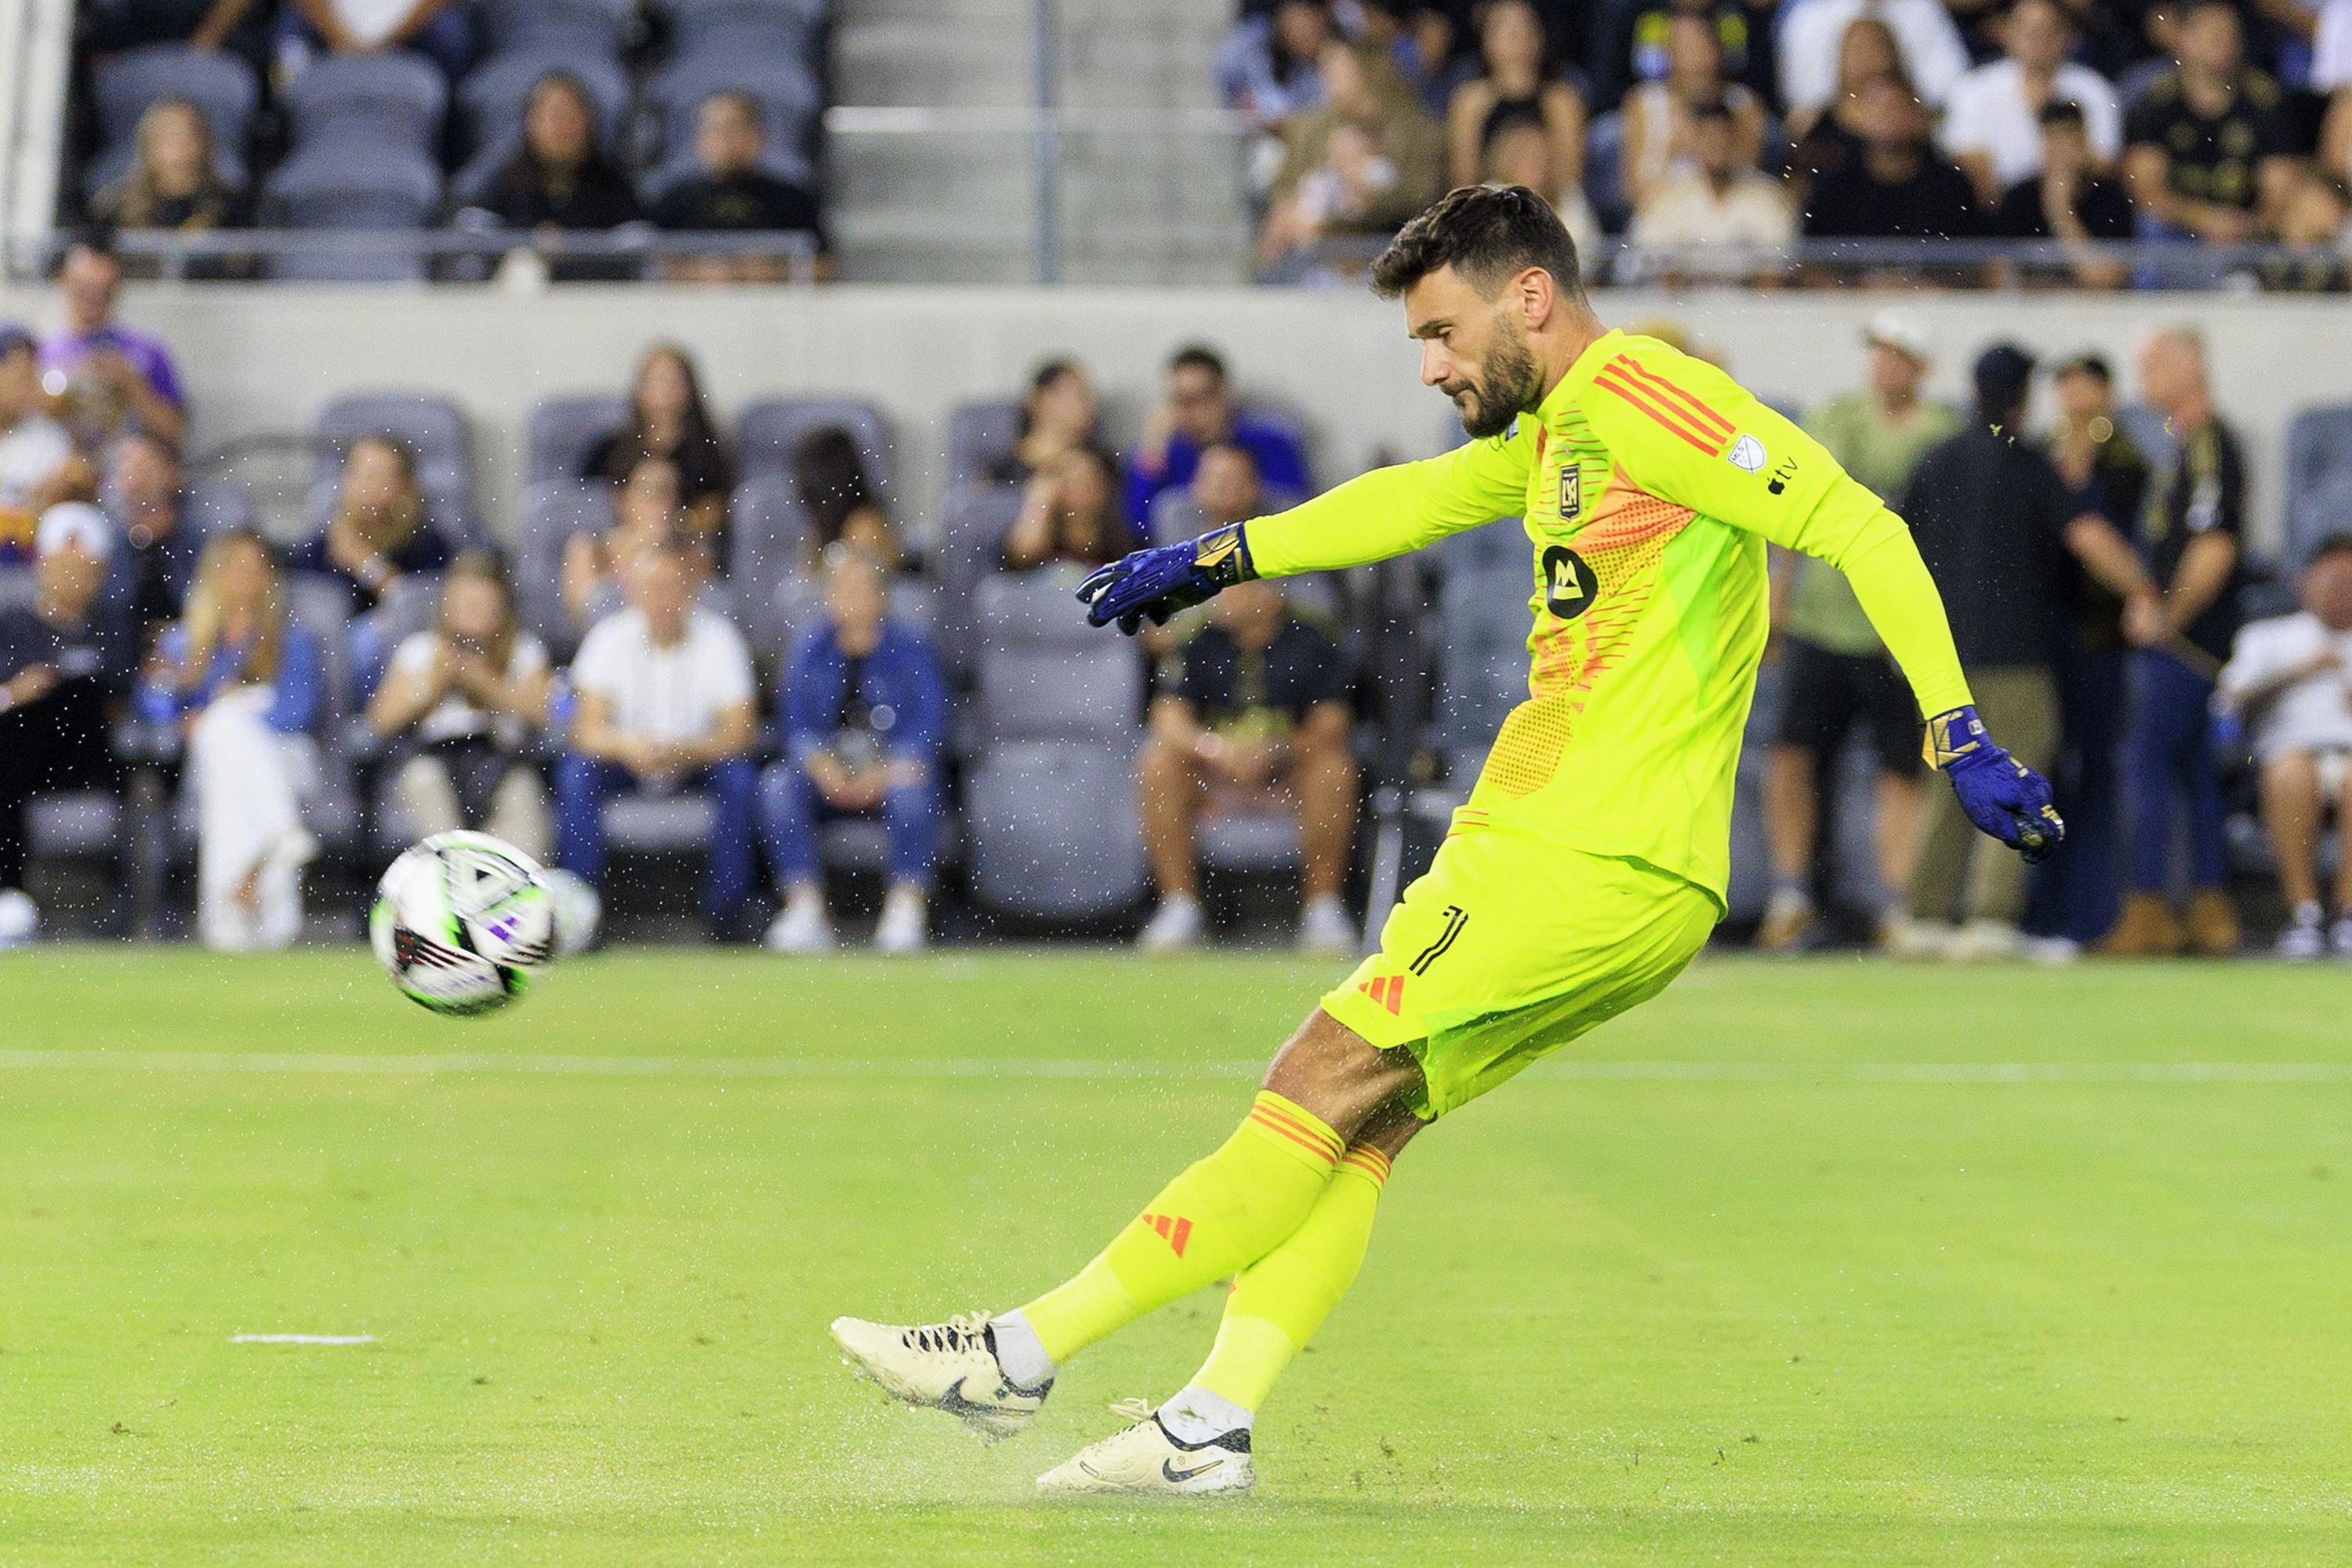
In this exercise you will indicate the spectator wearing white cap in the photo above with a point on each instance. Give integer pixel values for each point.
(1836, 673)
(36, 452)
(63, 673)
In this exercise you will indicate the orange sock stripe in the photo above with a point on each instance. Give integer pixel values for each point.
(1304, 1123)
(1369, 1161)
(1283, 1129)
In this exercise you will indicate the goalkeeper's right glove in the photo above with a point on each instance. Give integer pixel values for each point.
(2001, 794)
(1153, 584)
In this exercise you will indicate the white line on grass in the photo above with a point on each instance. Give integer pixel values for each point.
(301, 1338)
(482, 1062)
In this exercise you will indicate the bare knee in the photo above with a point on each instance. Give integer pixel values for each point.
(1334, 1073)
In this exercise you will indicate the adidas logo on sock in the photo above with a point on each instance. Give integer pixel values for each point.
(1175, 1232)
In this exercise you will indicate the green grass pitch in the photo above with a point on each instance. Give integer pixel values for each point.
(1803, 1264)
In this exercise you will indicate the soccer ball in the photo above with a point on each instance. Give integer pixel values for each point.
(461, 921)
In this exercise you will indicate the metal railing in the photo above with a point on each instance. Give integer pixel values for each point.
(458, 254)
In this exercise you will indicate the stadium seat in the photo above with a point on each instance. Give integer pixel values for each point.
(978, 434)
(794, 605)
(385, 99)
(492, 98)
(2318, 475)
(221, 85)
(113, 162)
(766, 433)
(1052, 829)
(18, 587)
(552, 513)
(787, 164)
(434, 429)
(1482, 660)
(766, 530)
(560, 433)
(352, 186)
(973, 520)
(1490, 546)
(774, 29)
(1258, 840)
(581, 26)
(785, 88)
(1043, 673)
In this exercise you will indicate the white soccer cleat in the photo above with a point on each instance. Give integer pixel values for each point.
(947, 1366)
(1176, 923)
(1145, 1461)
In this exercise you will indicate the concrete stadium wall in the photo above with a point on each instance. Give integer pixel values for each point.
(260, 360)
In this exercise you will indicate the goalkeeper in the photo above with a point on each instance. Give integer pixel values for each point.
(1587, 867)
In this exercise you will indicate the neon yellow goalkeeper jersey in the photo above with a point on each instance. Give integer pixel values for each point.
(1650, 483)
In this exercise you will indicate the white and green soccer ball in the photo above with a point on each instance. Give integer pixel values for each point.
(461, 923)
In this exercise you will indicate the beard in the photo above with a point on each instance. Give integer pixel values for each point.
(1511, 385)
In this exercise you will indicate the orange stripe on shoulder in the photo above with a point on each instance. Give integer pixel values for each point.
(1706, 418)
(1650, 405)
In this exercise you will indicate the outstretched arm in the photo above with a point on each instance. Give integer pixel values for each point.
(1372, 517)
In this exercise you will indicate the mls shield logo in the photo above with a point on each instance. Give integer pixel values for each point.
(1571, 492)
(1747, 454)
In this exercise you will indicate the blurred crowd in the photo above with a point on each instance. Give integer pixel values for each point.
(645, 651)
(1715, 134)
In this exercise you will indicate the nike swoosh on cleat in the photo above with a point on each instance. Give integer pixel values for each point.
(1168, 1469)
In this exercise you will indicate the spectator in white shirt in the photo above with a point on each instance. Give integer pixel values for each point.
(1992, 125)
(465, 697)
(2290, 678)
(2331, 75)
(1933, 55)
(1716, 201)
(665, 704)
(36, 452)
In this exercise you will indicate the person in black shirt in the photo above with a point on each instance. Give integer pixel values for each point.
(64, 668)
(2076, 896)
(2069, 198)
(732, 192)
(379, 532)
(154, 560)
(2001, 534)
(2205, 147)
(1253, 714)
(560, 179)
(2189, 527)
(1899, 187)
(669, 419)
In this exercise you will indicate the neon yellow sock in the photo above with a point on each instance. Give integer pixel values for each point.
(1223, 1213)
(1283, 1297)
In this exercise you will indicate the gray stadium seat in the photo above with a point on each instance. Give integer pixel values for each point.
(215, 506)
(77, 822)
(18, 587)
(352, 186)
(783, 162)
(113, 162)
(979, 434)
(1052, 829)
(432, 426)
(561, 432)
(766, 433)
(785, 88)
(1604, 170)
(2321, 512)
(768, 531)
(973, 520)
(1482, 659)
(571, 27)
(221, 85)
(386, 98)
(2319, 474)
(492, 98)
(1043, 673)
(739, 27)
(551, 514)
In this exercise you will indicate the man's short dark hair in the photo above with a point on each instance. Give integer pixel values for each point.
(1488, 234)
(2062, 111)
(1198, 357)
(2334, 544)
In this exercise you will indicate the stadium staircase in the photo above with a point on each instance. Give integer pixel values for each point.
(934, 152)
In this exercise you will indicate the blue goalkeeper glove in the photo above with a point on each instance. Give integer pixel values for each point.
(1153, 584)
(2001, 795)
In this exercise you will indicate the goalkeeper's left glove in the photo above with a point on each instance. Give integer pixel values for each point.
(2001, 795)
(1153, 584)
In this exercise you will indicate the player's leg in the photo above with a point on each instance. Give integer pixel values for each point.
(2335, 774)
(1811, 724)
(2146, 928)
(1216, 1217)
(1168, 786)
(1893, 720)
(2019, 704)
(729, 858)
(789, 808)
(1323, 784)
(2211, 918)
(2290, 806)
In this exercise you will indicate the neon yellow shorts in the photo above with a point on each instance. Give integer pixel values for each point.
(1511, 947)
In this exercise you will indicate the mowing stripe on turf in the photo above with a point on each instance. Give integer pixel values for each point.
(483, 1062)
(301, 1338)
